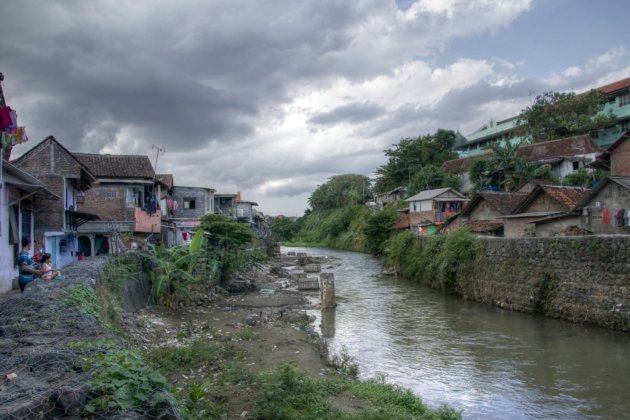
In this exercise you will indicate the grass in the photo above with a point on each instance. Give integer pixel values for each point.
(288, 393)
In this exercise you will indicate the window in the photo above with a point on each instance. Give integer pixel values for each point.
(624, 99)
(109, 194)
(189, 203)
(576, 166)
(26, 223)
(135, 197)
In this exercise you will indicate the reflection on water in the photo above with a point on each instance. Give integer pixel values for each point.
(489, 362)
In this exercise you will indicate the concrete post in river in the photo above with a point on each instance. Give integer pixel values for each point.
(328, 322)
(327, 290)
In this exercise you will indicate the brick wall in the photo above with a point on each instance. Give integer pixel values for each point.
(107, 201)
(620, 160)
(582, 279)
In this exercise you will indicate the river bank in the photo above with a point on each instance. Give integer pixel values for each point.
(248, 354)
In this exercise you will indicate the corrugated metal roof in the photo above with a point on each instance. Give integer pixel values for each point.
(431, 194)
(117, 166)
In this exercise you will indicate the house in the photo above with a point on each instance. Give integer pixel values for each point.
(225, 204)
(544, 202)
(607, 209)
(57, 222)
(616, 158)
(488, 134)
(19, 191)
(430, 209)
(563, 155)
(618, 103)
(167, 204)
(392, 196)
(245, 211)
(190, 203)
(125, 197)
(461, 167)
(481, 214)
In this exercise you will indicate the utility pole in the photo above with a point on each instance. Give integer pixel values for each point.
(157, 154)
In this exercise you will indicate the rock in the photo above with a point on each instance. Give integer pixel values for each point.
(69, 400)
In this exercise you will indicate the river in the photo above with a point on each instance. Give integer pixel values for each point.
(488, 362)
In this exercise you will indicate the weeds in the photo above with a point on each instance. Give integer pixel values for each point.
(122, 382)
(84, 299)
(344, 363)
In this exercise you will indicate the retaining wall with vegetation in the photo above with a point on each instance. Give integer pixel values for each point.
(582, 279)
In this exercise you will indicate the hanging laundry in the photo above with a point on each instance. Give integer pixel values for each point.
(184, 235)
(606, 216)
(618, 216)
(5, 117)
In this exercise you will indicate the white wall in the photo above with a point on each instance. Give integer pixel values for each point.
(7, 270)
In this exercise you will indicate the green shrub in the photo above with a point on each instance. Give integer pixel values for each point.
(122, 381)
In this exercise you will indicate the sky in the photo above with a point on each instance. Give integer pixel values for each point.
(272, 98)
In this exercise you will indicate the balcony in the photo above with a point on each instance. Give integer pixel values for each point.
(147, 223)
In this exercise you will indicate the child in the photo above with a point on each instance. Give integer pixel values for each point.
(25, 265)
(48, 273)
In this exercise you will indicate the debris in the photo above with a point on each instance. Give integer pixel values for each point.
(10, 376)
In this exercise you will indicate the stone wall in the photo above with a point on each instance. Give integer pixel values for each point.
(581, 279)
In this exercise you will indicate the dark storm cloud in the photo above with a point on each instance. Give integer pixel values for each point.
(352, 114)
(186, 74)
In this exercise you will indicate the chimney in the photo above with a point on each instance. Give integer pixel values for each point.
(238, 196)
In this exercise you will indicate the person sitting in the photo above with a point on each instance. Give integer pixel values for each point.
(47, 271)
(26, 271)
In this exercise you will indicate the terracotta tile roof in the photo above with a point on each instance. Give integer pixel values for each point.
(548, 150)
(402, 223)
(166, 180)
(569, 197)
(502, 202)
(117, 166)
(561, 148)
(615, 86)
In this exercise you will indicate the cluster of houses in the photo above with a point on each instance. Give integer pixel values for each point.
(75, 205)
(537, 208)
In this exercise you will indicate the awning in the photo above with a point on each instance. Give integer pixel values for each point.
(77, 218)
(35, 190)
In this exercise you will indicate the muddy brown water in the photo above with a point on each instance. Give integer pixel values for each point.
(488, 362)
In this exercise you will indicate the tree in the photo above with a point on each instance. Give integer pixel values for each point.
(340, 191)
(172, 271)
(556, 115)
(505, 170)
(482, 175)
(412, 154)
(227, 241)
(378, 228)
(430, 177)
(583, 178)
(283, 228)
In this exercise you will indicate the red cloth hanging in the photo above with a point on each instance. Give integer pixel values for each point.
(184, 235)
(606, 216)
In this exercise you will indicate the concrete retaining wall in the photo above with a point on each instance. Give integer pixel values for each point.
(582, 279)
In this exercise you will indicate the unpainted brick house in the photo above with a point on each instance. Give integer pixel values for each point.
(125, 197)
(56, 222)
